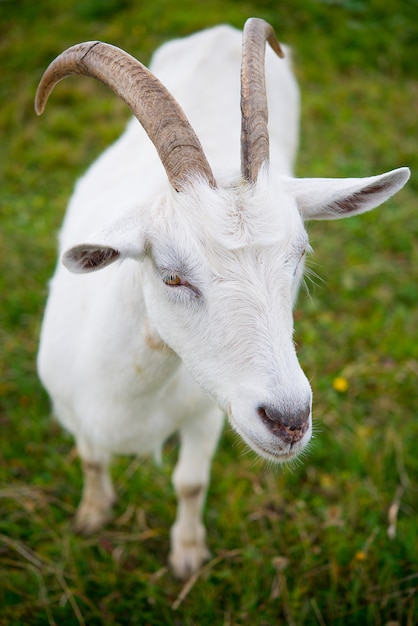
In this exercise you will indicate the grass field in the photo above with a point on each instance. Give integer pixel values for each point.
(332, 540)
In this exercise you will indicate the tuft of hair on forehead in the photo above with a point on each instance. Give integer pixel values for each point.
(237, 214)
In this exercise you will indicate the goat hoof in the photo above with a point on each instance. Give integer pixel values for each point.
(89, 519)
(186, 559)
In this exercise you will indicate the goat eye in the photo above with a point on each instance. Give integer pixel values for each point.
(172, 279)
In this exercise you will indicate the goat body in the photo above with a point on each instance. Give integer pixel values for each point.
(194, 319)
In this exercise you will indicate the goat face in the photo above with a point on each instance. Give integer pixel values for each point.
(220, 291)
(220, 270)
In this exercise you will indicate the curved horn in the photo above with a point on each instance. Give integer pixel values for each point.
(155, 108)
(254, 132)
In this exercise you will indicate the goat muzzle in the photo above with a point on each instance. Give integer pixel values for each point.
(289, 427)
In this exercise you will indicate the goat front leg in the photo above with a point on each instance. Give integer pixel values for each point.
(95, 508)
(198, 441)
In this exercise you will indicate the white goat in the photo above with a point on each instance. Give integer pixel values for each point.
(197, 320)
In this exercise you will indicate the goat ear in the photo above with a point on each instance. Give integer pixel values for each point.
(335, 198)
(120, 239)
(89, 258)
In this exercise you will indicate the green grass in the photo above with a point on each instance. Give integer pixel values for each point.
(299, 546)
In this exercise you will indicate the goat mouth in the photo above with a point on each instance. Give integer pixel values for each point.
(276, 455)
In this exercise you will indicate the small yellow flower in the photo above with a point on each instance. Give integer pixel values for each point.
(360, 556)
(340, 384)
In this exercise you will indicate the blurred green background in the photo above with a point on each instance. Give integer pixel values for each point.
(302, 545)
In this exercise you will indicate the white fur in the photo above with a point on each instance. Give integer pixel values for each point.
(129, 360)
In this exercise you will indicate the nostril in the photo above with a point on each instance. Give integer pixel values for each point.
(289, 427)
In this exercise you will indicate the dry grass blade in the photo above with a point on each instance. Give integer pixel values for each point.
(393, 513)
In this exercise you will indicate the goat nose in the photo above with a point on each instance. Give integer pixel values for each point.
(289, 427)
